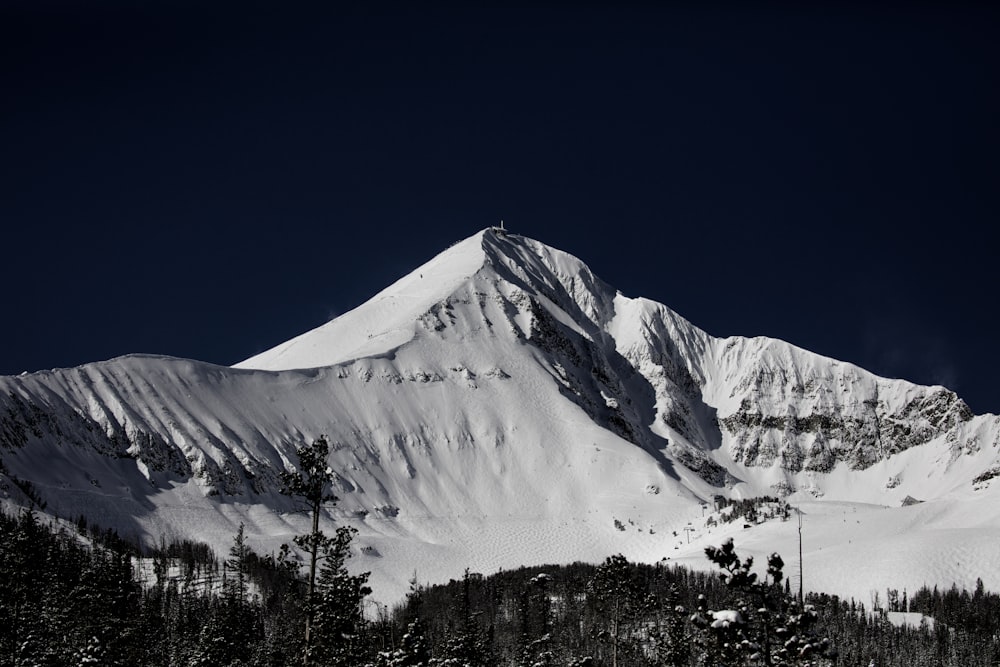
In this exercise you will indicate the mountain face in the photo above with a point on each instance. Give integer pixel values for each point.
(498, 406)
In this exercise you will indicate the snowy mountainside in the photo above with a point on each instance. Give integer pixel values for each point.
(500, 405)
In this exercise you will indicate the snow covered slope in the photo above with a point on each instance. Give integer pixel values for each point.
(501, 405)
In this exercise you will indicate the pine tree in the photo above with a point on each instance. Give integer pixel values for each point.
(767, 626)
(467, 643)
(92, 654)
(105, 603)
(234, 627)
(237, 569)
(309, 484)
(671, 637)
(619, 601)
(333, 616)
(338, 620)
(413, 650)
(22, 553)
(536, 623)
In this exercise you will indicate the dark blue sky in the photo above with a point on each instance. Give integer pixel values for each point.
(208, 182)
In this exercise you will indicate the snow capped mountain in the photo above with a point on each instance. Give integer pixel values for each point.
(501, 405)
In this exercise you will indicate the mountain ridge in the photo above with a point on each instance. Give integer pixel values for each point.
(501, 390)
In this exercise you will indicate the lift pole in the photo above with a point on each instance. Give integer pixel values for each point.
(801, 599)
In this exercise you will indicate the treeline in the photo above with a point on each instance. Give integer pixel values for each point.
(62, 602)
(976, 613)
(863, 637)
(75, 598)
(71, 598)
(637, 614)
(751, 510)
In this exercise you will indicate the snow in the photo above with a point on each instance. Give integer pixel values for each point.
(467, 436)
(381, 324)
(859, 549)
(726, 618)
(912, 619)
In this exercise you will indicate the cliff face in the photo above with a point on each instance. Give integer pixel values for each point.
(764, 404)
(803, 426)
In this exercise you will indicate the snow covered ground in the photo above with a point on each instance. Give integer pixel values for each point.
(858, 549)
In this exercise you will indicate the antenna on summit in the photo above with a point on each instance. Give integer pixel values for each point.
(501, 230)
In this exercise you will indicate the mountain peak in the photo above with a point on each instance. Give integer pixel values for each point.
(389, 319)
(385, 321)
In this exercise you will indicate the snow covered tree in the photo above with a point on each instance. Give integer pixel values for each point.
(22, 554)
(720, 640)
(92, 654)
(413, 649)
(767, 626)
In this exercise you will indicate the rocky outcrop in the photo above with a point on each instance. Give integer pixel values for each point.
(801, 435)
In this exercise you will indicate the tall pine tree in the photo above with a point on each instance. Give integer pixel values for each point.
(333, 619)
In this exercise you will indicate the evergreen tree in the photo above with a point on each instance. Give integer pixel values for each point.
(92, 654)
(619, 602)
(766, 626)
(233, 628)
(338, 620)
(671, 638)
(536, 623)
(22, 550)
(111, 599)
(467, 643)
(237, 572)
(333, 619)
(413, 650)
(309, 485)
(284, 615)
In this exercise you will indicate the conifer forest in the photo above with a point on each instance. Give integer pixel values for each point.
(74, 594)
(82, 596)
